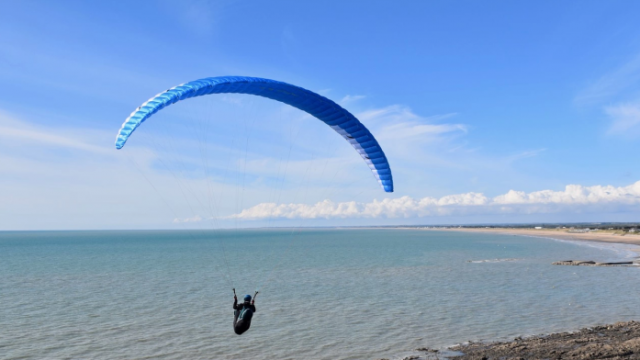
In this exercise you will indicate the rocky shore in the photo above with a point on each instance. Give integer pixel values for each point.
(595, 263)
(618, 341)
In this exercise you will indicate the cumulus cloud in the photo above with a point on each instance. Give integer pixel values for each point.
(574, 198)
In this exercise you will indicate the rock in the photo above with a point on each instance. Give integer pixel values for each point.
(615, 263)
(593, 351)
(616, 342)
(633, 344)
(592, 263)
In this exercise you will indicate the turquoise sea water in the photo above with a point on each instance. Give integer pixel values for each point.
(325, 294)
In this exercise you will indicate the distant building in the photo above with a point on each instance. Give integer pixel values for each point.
(633, 230)
(538, 227)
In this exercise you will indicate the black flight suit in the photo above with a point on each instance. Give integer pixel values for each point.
(242, 325)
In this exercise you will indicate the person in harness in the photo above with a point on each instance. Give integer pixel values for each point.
(243, 313)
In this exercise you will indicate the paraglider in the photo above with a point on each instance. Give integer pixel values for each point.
(325, 110)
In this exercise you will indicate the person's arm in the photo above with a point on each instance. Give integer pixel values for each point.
(235, 302)
(253, 307)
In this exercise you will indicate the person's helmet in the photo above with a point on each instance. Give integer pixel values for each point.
(247, 298)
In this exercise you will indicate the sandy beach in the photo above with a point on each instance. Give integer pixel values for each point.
(560, 234)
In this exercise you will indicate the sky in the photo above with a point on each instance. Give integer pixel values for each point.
(489, 112)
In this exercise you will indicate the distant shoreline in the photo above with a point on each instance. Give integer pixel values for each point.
(560, 234)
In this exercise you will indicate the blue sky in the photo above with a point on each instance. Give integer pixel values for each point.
(471, 100)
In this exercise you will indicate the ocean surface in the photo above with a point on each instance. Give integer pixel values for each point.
(324, 294)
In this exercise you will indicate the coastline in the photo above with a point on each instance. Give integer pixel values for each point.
(615, 341)
(612, 341)
(598, 237)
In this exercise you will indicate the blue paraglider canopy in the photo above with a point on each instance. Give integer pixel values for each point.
(332, 114)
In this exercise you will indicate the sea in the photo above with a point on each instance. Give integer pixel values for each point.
(323, 293)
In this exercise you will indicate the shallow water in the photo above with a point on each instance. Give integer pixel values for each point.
(325, 294)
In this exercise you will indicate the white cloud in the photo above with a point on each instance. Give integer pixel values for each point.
(611, 84)
(524, 155)
(575, 194)
(625, 118)
(64, 177)
(574, 198)
(403, 133)
(400, 122)
(351, 98)
(12, 130)
(398, 113)
(58, 176)
(408, 130)
(414, 142)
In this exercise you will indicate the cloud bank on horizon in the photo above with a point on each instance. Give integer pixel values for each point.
(576, 198)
